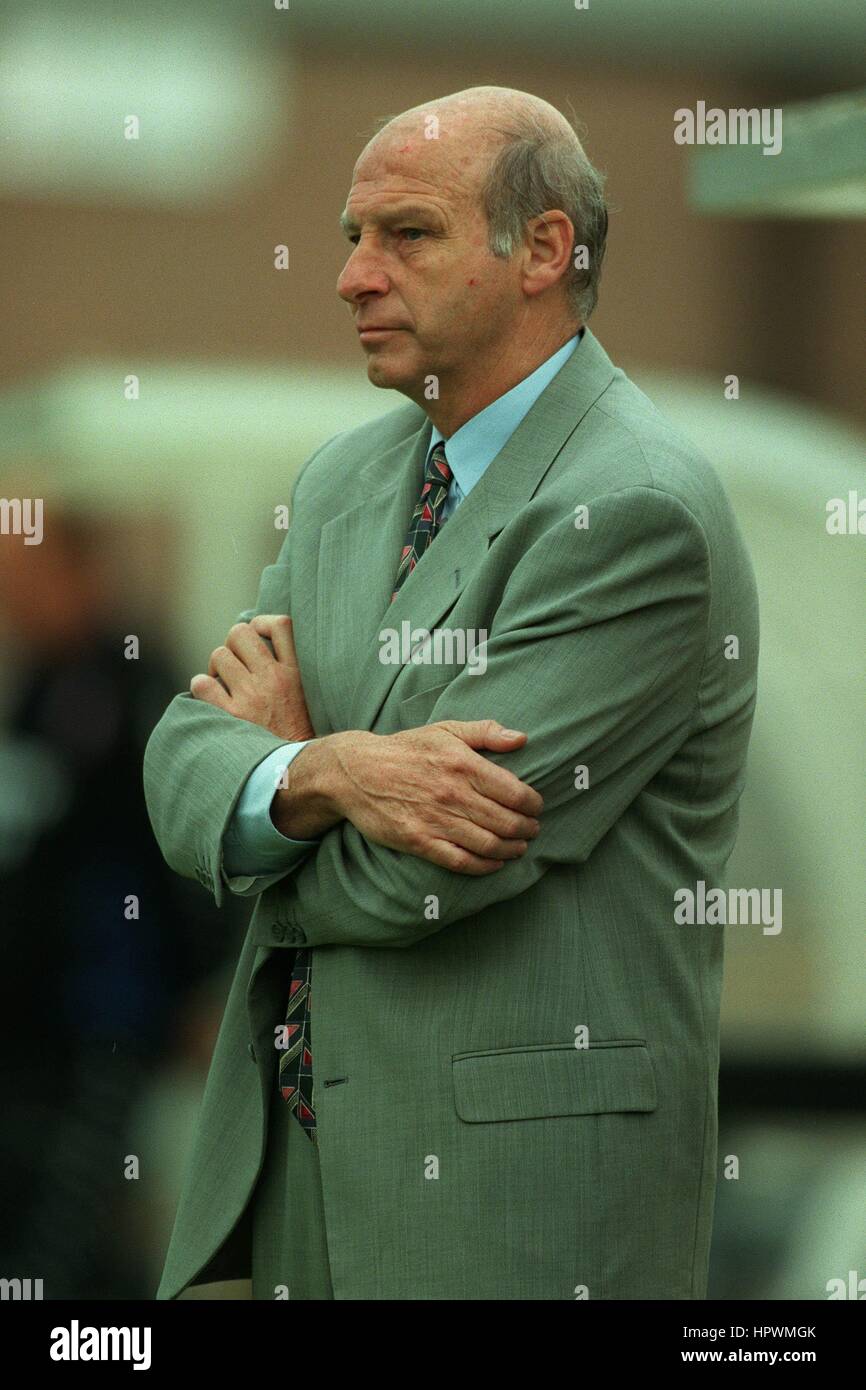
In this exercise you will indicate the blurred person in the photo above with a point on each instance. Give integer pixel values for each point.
(89, 995)
(467, 1053)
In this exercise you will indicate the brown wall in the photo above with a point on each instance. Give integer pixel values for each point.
(769, 300)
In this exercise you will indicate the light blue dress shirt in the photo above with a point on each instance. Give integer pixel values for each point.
(255, 853)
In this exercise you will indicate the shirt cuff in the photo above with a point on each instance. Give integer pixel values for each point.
(254, 850)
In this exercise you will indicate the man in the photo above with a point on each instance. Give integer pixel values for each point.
(485, 1054)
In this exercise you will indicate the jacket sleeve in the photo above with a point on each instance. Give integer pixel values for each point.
(198, 757)
(596, 653)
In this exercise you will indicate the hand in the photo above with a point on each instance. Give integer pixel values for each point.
(425, 792)
(253, 682)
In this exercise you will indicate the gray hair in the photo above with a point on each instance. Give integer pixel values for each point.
(537, 170)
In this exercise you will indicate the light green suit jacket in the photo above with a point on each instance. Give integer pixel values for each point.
(532, 1056)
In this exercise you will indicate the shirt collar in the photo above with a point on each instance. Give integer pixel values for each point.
(477, 442)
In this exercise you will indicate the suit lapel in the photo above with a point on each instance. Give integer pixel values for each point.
(358, 557)
(360, 549)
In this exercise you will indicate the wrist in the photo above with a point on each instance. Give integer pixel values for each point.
(310, 802)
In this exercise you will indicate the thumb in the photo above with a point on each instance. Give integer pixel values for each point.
(484, 733)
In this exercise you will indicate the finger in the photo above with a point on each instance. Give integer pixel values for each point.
(498, 784)
(459, 861)
(278, 627)
(225, 664)
(492, 815)
(249, 647)
(464, 833)
(205, 688)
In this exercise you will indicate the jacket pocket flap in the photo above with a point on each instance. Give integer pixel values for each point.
(540, 1082)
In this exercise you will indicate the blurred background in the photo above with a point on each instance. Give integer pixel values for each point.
(161, 383)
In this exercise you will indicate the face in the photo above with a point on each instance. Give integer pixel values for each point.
(421, 276)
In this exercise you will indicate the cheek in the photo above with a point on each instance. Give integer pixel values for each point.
(481, 290)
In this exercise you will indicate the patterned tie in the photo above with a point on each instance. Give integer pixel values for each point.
(296, 1063)
(427, 517)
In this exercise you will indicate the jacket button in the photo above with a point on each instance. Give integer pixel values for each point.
(278, 931)
(252, 1051)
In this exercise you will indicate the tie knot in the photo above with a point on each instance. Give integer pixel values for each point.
(437, 468)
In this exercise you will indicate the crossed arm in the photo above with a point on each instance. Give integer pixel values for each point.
(424, 792)
(596, 651)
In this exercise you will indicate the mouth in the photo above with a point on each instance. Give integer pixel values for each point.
(371, 335)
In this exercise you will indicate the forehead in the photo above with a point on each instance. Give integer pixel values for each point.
(404, 170)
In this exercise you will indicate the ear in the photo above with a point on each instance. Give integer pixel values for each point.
(549, 243)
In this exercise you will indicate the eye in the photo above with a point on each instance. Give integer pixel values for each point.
(419, 230)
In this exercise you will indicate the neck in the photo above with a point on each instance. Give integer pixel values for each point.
(465, 391)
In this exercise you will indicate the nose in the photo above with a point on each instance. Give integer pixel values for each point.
(362, 274)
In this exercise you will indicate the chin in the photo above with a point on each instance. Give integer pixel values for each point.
(389, 374)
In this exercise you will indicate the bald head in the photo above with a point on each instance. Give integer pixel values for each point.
(485, 109)
(476, 123)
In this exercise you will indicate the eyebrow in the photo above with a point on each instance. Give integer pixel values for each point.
(405, 212)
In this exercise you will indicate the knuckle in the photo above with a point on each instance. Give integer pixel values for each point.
(454, 788)
(443, 726)
(442, 782)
